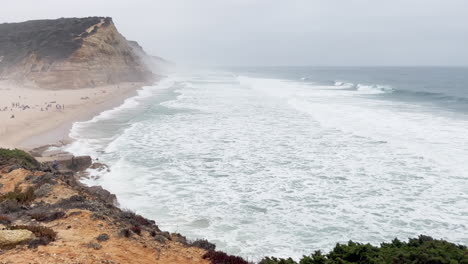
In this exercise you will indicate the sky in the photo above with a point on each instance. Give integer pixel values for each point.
(278, 32)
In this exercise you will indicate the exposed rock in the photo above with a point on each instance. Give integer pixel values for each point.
(99, 166)
(104, 195)
(10, 238)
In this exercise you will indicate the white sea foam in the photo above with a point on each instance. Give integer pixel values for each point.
(83, 144)
(277, 167)
(374, 89)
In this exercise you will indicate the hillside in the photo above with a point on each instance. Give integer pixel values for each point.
(47, 216)
(70, 53)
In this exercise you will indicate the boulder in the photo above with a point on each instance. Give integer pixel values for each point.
(11, 238)
(102, 194)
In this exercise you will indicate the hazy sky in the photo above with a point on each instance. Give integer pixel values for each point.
(278, 32)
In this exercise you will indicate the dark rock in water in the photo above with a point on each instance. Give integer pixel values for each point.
(79, 163)
(102, 194)
(99, 166)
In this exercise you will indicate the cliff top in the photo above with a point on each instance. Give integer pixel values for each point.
(48, 39)
(68, 222)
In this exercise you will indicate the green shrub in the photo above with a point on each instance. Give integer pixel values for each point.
(20, 197)
(421, 250)
(17, 157)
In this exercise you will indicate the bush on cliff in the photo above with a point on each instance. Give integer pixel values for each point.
(219, 257)
(419, 250)
(17, 157)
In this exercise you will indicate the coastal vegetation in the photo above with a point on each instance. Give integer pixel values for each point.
(421, 250)
(18, 157)
(42, 197)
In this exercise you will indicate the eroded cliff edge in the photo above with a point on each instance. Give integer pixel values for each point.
(71, 53)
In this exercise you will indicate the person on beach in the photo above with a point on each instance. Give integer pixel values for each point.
(54, 165)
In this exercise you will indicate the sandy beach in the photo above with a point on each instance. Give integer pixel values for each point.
(31, 117)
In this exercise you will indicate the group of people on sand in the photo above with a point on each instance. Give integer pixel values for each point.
(46, 107)
(49, 105)
(15, 105)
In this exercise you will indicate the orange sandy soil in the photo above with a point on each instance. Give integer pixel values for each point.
(77, 228)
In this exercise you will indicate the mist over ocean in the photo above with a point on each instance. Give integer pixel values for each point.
(285, 161)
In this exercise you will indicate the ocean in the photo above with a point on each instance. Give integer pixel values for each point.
(284, 161)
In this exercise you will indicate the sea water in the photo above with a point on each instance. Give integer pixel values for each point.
(285, 161)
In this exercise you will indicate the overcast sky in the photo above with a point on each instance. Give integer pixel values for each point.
(278, 32)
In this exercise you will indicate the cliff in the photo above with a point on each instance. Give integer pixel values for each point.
(70, 53)
(48, 216)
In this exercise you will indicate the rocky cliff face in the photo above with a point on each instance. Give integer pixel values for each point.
(70, 53)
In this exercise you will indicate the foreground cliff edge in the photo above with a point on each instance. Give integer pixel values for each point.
(48, 216)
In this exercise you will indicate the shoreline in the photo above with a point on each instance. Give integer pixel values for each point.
(34, 126)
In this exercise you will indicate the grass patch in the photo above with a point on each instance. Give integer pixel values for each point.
(19, 196)
(17, 157)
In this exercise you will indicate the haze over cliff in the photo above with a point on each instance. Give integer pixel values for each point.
(71, 53)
